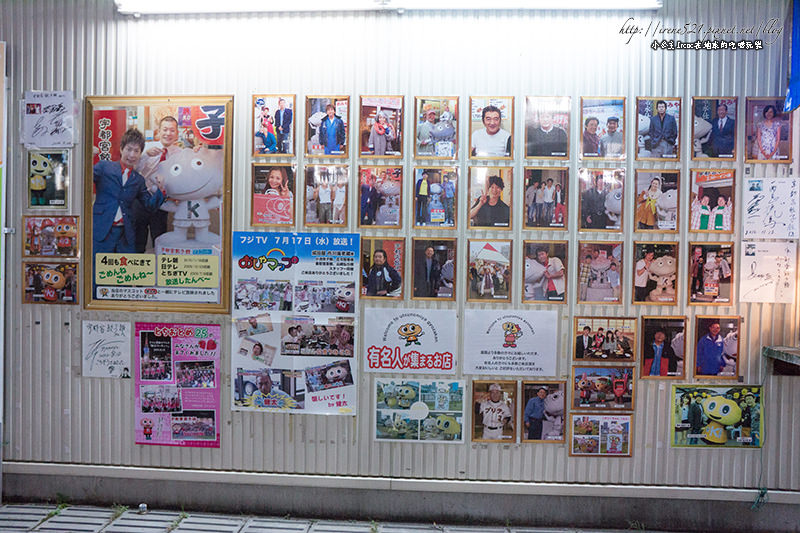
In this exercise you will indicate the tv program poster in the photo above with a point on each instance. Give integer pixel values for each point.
(516, 343)
(295, 301)
(410, 340)
(177, 384)
(419, 410)
(106, 349)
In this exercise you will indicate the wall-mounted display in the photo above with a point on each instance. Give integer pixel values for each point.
(658, 129)
(600, 272)
(546, 190)
(543, 410)
(723, 416)
(594, 435)
(49, 283)
(489, 270)
(327, 123)
(601, 198)
(380, 197)
(608, 388)
(711, 273)
(326, 195)
(434, 268)
(603, 121)
(436, 197)
(382, 267)
(604, 339)
(491, 127)
(490, 197)
(769, 272)
(770, 208)
(436, 127)
(658, 195)
(105, 349)
(380, 126)
(711, 200)
(768, 131)
(419, 410)
(714, 128)
(273, 195)
(494, 406)
(663, 352)
(49, 174)
(48, 119)
(51, 237)
(655, 273)
(273, 125)
(545, 274)
(547, 123)
(716, 343)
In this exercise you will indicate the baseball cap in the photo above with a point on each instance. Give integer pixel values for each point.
(494, 386)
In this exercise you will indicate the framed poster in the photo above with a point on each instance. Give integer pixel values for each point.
(55, 237)
(655, 273)
(436, 197)
(382, 268)
(711, 200)
(49, 174)
(594, 435)
(716, 343)
(547, 123)
(608, 388)
(546, 198)
(419, 410)
(663, 353)
(659, 129)
(489, 267)
(714, 417)
(490, 197)
(436, 127)
(600, 272)
(326, 195)
(273, 125)
(658, 197)
(714, 128)
(434, 269)
(494, 406)
(601, 199)
(49, 283)
(768, 131)
(491, 127)
(603, 120)
(380, 197)
(158, 239)
(543, 411)
(272, 203)
(604, 339)
(545, 275)
(711, 273)
(380, 127)
(327, 119)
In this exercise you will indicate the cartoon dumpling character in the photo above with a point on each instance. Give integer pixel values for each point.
(511, 333)
(406, 396)
(603, 387)
(54, 282)
(449, 426)
(65, 233)
(40, 168)
(345, 298)
(662, 271)
(390, 396)
(147, 428)
(721, 412)
(410, 333)
(335, 376)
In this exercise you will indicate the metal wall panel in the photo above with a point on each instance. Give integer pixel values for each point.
(53, 415)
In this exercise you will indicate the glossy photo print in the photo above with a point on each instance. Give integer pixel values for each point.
(326, 195)
(494, 407)
(717, 416)
(543, 411)
(658, 135)
(657, 201)
(273, 195)
(600, 272)
(655, 273)
(433, 269)
(545, 271)
(273, 125)
(711, 200)
(605, 339)
(380, 196)
(380, 126)
(603, 128)
(716, 347)
(768, 131)
(382, 267)
(327, 127)
(714, 128)
(547, 121)
(491, 127)
(546, 190)
(601, 199)
(663, 350)
(711, 273)
(48, 178)
(436, 197)
(490, 197)
(489, 270)
(436, 127)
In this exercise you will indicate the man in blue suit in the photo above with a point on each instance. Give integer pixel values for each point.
(283, 127)
(723, 133)
(663, 132)
(117, 184)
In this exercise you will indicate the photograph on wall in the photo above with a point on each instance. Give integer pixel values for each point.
(491, 127)
(770, 208)
(489, 267)
(419, 410)
(658, 135)
(602, 388)
(490, 197)
(655, 273)
(547, 127)
(716, 343)
(543, 411)
(603, 339)
(657, 200)
(714, 128)
(158, 240)
(273, 195)
(294, 322)
(435, 197)
(601, 435)
(717, 416)
(177, 384)
(546, 197)
(494, 405)
(49, 173)
(711, 200)
(50, 283)
(662, 350)
(545, 275)
(711, 273)
(380, 127)
(434, 269)
(603, 122)
(436, 127)
(105, 349)
(51, 237)
(769, 272)
(380, 197)
(326, 195)
(768, 131)
(420, 341)
(327, 131)
(601, 198)
(382, 267)
(600, 272)
(273, 125)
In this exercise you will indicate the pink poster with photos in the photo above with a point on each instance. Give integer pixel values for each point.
(177, 384)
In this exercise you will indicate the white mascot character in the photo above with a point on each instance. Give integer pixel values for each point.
(702, 134)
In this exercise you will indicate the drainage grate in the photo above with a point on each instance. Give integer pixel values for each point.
(22, 517)
(276, 525)
(77, 520)
(342, 527)
(409, 528)
(133, 522)
(202, 523)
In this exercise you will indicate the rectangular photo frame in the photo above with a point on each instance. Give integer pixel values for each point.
(655, 273)
(273, 193)
(326, 193)
(600, 272)
(435, 280)
(768, 131)
(595, 435)
(712, 200)
(606, 388)
(49, 173)
(711, 273)
(382, 268)
(436, 197)
(273, 125)
(714, 128)
(491, 127)
(490, 267)
(419, 410)
(716, 347)
(380, 127)
(602, 199)
(547, 127)
(545, 274)
(658, 201)
(542, 415)
(380, 196)
(490, 197)
(593, 343)
(603, 127)
(663, 348)
(714, 417)
(53, 237)
(50, 283)
(546, 190)
(494, 408)
(327, 123)
(436, 124)
(659, 128)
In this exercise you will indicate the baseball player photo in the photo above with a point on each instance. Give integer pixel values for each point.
(494, 405)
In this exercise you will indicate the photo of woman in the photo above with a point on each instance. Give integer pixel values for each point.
(273, 195)
(273, 125)
(657, 200)
(769, 132)
(380, 126)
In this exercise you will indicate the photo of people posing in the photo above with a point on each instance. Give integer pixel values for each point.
(714, 128)
(273, 195)
(257, 350)
(195, 374)
(303, 337)
(436, 127)
(663, 347)
(50, 283)
(160, 399)
(716, 343)
(326, 195)
(655, 273)
(273, 125)
(435, 197)
(381, 126)
(547, 127)
(545, 275)
(193, 425)
(711, 200)
(657, 200)
(252, 293)
(382, 267)
(489, 270)
(603, 120)
(490, 197)
(51, 237)
(605, 338)
(380, 192)
(494, 407)
(602, 194)
(544, 411)
(327, 126)
(546, 197)
(48, 178)
(491, 127)
(324, 297)
(434, 274)
(602, 387)
(659, 129)
(601, 435)
(600, 272)
(155, 357)
(710, 273)
(705, 416)
(768, 131)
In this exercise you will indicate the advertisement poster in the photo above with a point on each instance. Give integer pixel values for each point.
(601, 435)
(294, 313)
(106, 349)
(421, 410)
(177, 384)
(512, 343)
(771, 208)
(421, 341)
(48, 119)
(768, 272)
(706, 416)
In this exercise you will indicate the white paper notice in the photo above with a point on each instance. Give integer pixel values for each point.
(771, 208)
(768, 272)
(106, 349)
(48, 119)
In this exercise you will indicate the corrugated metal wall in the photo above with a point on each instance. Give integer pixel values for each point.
(53, 415)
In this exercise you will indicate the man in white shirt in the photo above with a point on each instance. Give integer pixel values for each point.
(548, 197)
(495, 414)
(553, 281)
(491, 141)
(641, 275)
